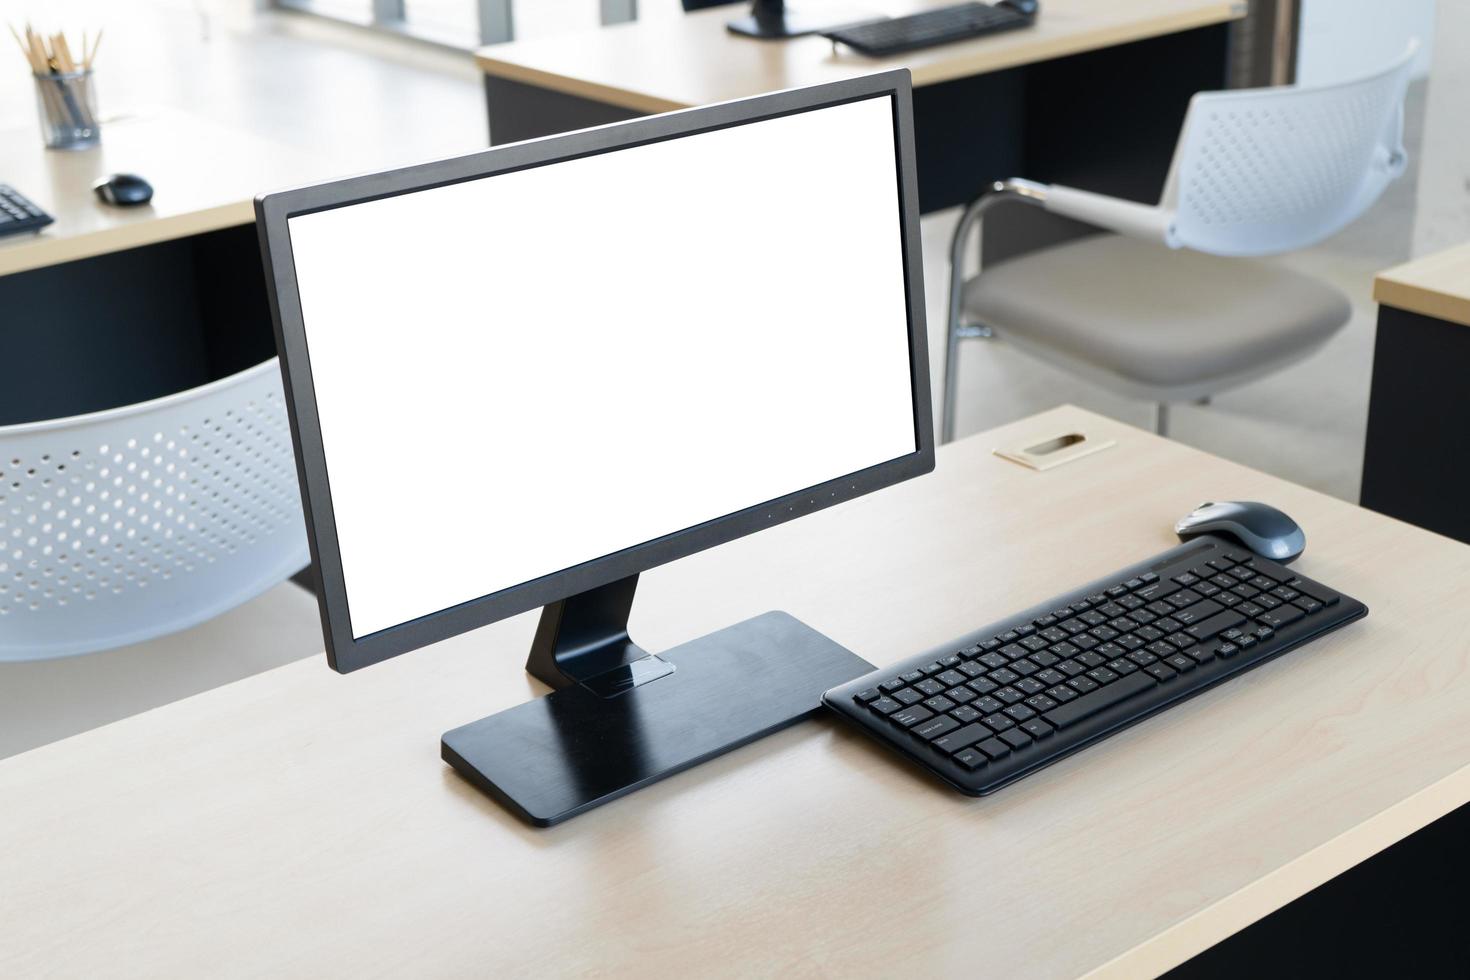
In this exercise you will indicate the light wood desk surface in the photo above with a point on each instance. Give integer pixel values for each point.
(659, 64)
(1435, 285)
(299, 823)
(204, 176)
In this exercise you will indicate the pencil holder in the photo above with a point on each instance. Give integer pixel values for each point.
(67, 102)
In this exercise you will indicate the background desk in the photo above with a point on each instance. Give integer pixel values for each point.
(1093, 95)
(301, 823)
(1416, 460)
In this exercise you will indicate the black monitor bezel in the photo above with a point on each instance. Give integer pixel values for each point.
(347, 653)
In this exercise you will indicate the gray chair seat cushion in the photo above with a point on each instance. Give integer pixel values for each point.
(1152, 315)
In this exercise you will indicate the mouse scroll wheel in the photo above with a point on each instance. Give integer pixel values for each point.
(1207, 503)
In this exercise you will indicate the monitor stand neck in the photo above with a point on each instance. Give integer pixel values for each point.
(583, 639)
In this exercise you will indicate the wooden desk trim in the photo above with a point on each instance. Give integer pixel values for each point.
(1435, 285)
(977, 57)
(44, 251)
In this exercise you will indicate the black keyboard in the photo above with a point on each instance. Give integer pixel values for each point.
(18, 214)
(1002, 702)
(879, 38)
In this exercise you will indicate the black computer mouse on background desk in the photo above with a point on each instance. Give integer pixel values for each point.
(1026, 8)
(123, 190)
(1260, 527)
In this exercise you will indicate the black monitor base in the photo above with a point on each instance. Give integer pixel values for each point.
(632, 723)
(769, 20)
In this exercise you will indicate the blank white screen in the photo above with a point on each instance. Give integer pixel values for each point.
(518, 374)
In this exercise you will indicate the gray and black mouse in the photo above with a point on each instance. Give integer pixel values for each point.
(1259, 527)
(123, 190)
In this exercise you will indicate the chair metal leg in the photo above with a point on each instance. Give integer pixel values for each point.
(1161, 418)
(1019, 190)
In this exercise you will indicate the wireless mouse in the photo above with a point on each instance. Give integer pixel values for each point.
(123, 190)
(1260, 527)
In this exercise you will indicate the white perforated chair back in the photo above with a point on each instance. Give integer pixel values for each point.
(1264, 171)
(123, 525)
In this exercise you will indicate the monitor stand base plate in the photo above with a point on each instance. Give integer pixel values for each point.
(577, 748)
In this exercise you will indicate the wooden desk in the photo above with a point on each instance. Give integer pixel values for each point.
(673, 63)
(300, 823)
(1093, 95)
(1416, 459)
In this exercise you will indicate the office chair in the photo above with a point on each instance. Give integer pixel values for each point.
(123, 525)
(1164, 305)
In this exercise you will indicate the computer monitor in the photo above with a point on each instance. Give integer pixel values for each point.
(520, 378)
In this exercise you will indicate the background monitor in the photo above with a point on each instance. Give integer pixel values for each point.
(521, 377)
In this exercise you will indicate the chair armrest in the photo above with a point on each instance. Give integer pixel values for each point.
(1148, 222)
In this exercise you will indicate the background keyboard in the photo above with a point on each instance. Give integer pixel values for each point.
(1004, 701)
(894, 35)
(18, 214)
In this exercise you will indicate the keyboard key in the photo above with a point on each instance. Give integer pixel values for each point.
(1187, 579)
(907, 696)
(1029, 685)
(1307, 606)
(1098, 700)
(982, 685)
(931, 669)
(1004, 676)
(1024, 667)
(950, 678)
(1215, 624)
(1180, 663)
(1325, 596)
(1008, 695)
(884, 706)
(971, 758)
(988, 706)
(911, 677)
(1199, 611)
(1015, 738)
(961, 738)
(1090, 660)
(994, 661)
(998, 723)
(965, 714)
(939, 704)
(1226, 650)
(909, 717)
(1019, 712)
(1062, 693)
(972, 668)
(890, 686)
(960, 695)
(1201, 654)
(935, 727)
(1157, 591)
(863, 697)
(929, 687)
(1122, 666)
(1050, 677)
(1044, 659)
(1143, 658)
(994, 748)
(1036, 728)
(1034, 643)
(1102, 675)
(1160, 671)
(1082, 685)
(1040, 702)
(1277, 618)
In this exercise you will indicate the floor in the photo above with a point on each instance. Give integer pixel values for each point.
(311, 85)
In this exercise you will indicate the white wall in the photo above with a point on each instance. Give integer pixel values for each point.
(1341, 38)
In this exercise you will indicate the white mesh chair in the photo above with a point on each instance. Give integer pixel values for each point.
(123, 525)
(1164, 307)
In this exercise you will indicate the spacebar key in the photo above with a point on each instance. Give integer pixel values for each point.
(1104, 697)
